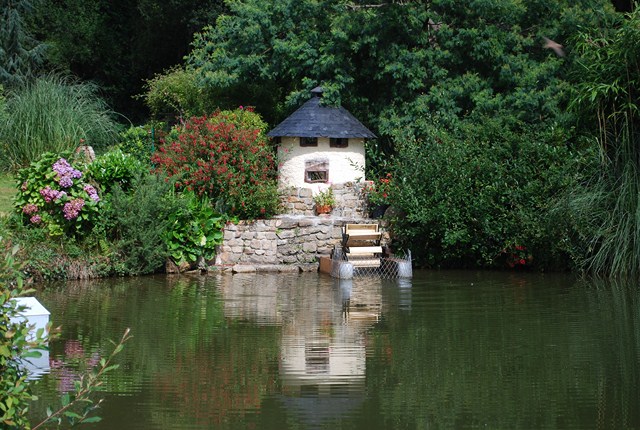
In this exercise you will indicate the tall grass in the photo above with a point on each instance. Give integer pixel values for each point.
(607, 213)
(608, 209)
(53, 113)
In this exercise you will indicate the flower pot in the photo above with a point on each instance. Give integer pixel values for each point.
(323, 209)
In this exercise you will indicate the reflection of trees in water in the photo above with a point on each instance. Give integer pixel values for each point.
(510, 357)
(222, 381)
(618, 303)
(449, 351)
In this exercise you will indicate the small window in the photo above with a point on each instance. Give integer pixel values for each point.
(308, 141)
(277, 140)
(316, 172)
(339, 142)
(313, 177)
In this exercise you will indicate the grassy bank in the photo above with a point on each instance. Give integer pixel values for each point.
(7, 192)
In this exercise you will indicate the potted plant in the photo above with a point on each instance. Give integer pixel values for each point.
(378, 196)
(324, 201)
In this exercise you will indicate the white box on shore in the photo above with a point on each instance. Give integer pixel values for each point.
(33, 314)
(36, 315)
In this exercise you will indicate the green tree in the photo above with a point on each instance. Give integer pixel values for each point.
(394, 63)
(119, 44)
(20, 53)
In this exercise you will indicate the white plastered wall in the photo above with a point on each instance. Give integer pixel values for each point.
(345, 164)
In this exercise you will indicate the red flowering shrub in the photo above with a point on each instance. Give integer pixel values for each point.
(225, 157)
(378, 192)
(517, 256)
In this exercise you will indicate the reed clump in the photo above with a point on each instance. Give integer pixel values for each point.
(53, 114)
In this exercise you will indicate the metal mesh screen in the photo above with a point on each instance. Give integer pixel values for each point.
(344, 267)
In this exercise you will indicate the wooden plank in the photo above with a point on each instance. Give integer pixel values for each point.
(325, 265)
(364, 235)
(354, 227)
(360, 250)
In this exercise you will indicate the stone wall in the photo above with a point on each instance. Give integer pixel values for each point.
(350, 198)
(284, 240)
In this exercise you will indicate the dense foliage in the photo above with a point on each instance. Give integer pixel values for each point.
(474, 198)
(20, 52)
(53, 114)
(15, 344)
(53, 194)
(225, 157)
(401, 60)
(606, 95)
(118, 44)
(111, 217)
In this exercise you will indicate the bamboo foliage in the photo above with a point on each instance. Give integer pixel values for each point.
(608, 91)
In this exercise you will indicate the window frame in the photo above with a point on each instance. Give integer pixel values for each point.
(316, 167)
(339, 142)
(306, 142)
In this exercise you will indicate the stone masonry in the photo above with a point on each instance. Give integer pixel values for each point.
(350, 200)
(297, 239)
(294, 240)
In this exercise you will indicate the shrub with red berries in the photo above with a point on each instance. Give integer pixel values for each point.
(225, 157)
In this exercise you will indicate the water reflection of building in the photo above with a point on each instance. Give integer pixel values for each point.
(324, 324)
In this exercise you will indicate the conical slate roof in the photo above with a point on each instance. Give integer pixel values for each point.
(314, 120)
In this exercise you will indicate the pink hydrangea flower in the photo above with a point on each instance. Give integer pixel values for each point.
(29, 209)
(72, 209)
(93, 194)
(65, 173)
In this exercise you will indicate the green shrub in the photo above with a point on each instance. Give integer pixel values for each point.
(115, 168)
(54, 195)
(53, 114)
(194, 230)
(15, 344)
(175, 94)
(140, 141)
(225, 157)
(136, 223)
(481, 196)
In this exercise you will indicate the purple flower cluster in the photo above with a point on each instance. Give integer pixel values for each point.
(93, 194)
(66, 173)
(36, 219)
(73, 208)
(29, 209)
(50, 194)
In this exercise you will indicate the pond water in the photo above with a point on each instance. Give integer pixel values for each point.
(305, 351)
